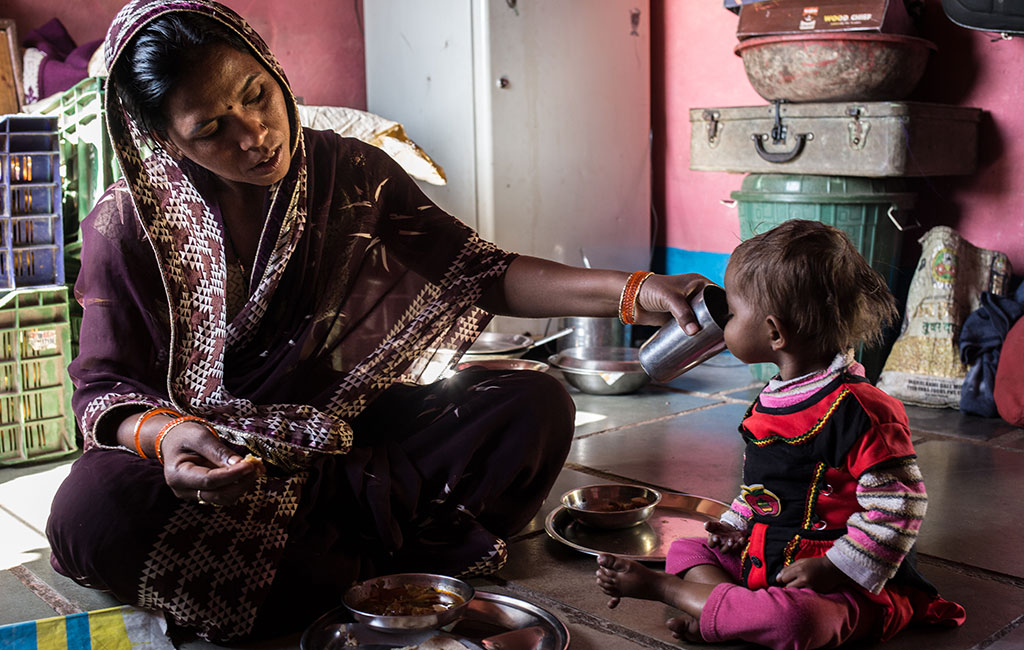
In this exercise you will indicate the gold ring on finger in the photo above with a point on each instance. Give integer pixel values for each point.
(201, 501)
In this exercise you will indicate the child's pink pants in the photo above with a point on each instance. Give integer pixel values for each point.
(777, 617)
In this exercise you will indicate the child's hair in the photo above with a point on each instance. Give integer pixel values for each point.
(810, 276)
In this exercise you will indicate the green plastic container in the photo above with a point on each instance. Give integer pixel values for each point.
(87, 158)
(870, 211)
(36, 421)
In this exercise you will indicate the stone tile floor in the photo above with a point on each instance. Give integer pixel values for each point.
(678, 437)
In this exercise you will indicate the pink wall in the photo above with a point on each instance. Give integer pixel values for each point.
(319, 42)
(699, 69)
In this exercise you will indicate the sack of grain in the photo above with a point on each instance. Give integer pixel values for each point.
(924, 366)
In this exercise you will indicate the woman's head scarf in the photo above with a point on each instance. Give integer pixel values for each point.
(186, 236)
(188, 241)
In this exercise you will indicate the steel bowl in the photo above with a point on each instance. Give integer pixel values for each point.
(611, 505)
(504, 364)
(601, 370)
(834, 66)
(366, 601)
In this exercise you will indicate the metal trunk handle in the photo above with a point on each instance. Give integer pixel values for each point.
(778, 136)
(779, 156)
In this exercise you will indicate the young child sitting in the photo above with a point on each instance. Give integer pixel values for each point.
(818, 548)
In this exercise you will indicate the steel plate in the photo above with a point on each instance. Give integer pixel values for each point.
(488, 614)
(677, 515)
(498, 343)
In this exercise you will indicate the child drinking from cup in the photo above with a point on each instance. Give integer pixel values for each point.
(817, 549)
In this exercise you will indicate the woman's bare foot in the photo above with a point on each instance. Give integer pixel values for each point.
(685, 628)
(619, 577)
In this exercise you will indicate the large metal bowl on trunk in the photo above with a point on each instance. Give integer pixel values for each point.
(834, 66)
(601, 370)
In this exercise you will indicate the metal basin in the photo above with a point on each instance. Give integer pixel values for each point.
(601, 370)
(832, 67)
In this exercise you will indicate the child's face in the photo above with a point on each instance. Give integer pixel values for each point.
(746, 332)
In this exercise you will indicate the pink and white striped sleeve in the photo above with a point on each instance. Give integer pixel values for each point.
(894, 502)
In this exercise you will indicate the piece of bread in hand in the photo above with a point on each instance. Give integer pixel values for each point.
(257, 461)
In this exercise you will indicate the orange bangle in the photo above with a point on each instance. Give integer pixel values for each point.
(181, 419)
(156, 410)
(627, 300)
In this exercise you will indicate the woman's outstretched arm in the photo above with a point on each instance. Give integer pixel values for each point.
(538, 288)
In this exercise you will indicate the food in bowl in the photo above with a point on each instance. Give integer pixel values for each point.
(611, 505)
(408, 601)
(621, 506)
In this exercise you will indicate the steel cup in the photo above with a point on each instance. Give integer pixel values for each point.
(671, 351)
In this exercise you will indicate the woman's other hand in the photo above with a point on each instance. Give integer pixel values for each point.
(662, 294)
(729, 539)
(199, 467)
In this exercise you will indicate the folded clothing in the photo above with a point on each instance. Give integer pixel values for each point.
(981, 342)
(53, 62)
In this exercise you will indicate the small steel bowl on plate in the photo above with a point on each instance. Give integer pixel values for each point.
(369, 600)
(611, 505)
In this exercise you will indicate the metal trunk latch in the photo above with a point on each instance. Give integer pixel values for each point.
(858, 128)
(778, 136)
(713, 126)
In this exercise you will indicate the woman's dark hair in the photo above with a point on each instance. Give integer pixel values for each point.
(812, 277)
(157, 56)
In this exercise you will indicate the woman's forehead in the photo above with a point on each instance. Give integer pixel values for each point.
(220, 76)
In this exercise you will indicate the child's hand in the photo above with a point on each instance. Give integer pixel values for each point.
(818, 573)
(725, 536)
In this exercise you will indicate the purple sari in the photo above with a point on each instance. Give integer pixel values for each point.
(359, 281)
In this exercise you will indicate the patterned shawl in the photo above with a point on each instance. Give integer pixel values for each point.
(359, 281)
(402, 300)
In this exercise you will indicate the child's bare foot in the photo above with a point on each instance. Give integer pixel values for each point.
(620, 577)
(685, 628)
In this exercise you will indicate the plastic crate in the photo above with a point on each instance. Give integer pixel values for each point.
(868, 210)
(87, 160)
(31, 226)
(36, 421)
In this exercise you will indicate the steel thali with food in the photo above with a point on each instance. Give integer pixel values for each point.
(489, 621)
